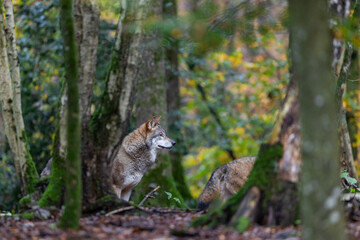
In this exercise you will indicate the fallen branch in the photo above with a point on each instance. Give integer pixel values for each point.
(148, 196)
(120, 210)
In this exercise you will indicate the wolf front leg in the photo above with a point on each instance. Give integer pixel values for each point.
(117, 191)
(126, 195)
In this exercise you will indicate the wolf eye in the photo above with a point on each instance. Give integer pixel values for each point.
(161, 134)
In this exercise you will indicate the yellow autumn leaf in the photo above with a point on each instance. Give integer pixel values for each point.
(51, 119)
(220, 76)
(176, 33)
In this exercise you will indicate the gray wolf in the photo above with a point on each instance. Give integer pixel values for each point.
(136, 155)
(226, 180)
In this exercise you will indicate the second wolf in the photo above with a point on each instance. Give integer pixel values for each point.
(226, 180)
(136, 155)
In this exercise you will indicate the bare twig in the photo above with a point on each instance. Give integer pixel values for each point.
(148, 195)
(120, 210)
(138, 207)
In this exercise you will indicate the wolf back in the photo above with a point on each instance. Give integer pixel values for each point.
(226, 180)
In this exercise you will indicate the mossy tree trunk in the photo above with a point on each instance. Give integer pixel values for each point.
(173, 103)
(151, 101)
(10, 93)
(86, 26)
(72, 212)
(110, 122)
(321, 212)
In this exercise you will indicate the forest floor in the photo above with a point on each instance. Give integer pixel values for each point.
(152, 223)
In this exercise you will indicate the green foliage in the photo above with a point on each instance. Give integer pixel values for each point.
(351, 183)
(245, 95)
(25, 200)
(41, 71)
(29, 215)
(10, 192)
(170, 197)
(243, 81)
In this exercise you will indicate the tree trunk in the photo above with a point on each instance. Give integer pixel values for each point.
(346, 154)
(173, 104)
(87, 31)
(53, 195)
(151, 101)
(322, 215)
(110, 122)
(72, 212)
(10, 93)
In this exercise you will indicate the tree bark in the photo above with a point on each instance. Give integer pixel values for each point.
(173, 104)
(10, 94)
(346, 154)
(151, 101)
(53, 195)
(72, 212)
(322, 215)
(87, 31)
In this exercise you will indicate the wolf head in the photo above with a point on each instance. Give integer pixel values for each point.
(156, 135)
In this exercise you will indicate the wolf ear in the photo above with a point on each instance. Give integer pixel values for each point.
(151, 123)
(157, 121)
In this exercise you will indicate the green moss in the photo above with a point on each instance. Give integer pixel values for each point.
(53, 193)
(25, 200)
(106, 198)
(42, 180)
(31, 175)
(263, 175)
(242, 224)
(29, 215)
(159, 177)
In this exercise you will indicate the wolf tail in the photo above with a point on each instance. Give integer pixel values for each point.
(212, 188)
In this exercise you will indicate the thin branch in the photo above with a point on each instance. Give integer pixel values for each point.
(138, 207)
(148, 195)
(120, 210)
